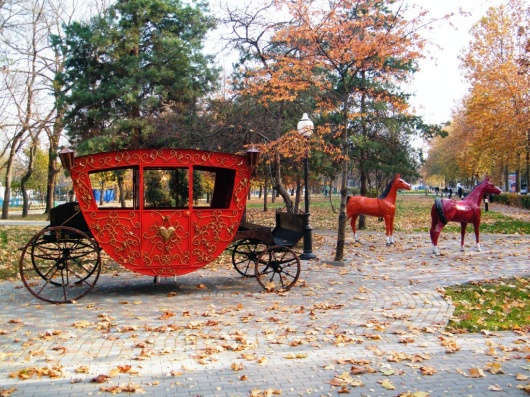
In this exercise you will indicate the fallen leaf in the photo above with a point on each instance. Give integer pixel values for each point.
(387, 384)
(7, 392)
(100, 378)
(237, 366)
(495, 387)
(472, 373)
(426, 370)
(114, 372)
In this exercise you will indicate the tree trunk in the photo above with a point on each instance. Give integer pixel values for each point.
(53, 168)
(25, 178)
(330, 197)
(7, 191)
(278, 186)
(527, 168)
(527, 171)
(102, 195)
(341, 233)
(363, 192)
(121, 190)
(364, 172)
(265, 193)
(506, 177)
(297, 194)
(518, 173)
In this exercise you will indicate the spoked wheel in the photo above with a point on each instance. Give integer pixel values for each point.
(278, 268)
(60, 264)
(245, 255)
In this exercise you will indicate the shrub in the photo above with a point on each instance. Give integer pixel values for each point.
(515, 200)
(525, 201)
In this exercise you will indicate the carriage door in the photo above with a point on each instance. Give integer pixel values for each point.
(214, 220)
(166, 220)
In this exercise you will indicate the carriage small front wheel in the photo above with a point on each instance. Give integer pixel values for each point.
(245, 254)
(60, 264)
(278, 268)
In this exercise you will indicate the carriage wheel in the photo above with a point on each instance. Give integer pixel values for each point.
(278, 268)
(36, 252)
(60, 264)
(245, 255)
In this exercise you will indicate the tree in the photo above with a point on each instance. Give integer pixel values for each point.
(270, 102)
(28, 72)
(445, 163)
(354, 55)
(498, 104)
(58, 15)
(39, 176)
(130, 66)
(345, 61)
(23, 43)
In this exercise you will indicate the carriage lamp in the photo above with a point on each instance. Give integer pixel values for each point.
(252, 158)
(305, 128)
(67, 158)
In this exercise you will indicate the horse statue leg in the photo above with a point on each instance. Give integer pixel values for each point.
(463, 226)
(476, 225)
(388, 227)
(353, 221)
(392, 229)
(436, 229)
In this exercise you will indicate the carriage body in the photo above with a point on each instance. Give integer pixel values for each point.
(157, 212)
(159, 226)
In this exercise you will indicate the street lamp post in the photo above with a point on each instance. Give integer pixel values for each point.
(305, 128)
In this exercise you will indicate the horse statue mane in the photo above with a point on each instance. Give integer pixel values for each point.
(387, 189)
(439, 210)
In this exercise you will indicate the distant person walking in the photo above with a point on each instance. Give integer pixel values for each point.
(459, 190)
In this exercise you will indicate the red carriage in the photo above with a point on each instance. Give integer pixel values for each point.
(155, 221)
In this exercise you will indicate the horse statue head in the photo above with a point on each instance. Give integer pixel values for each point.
(400, 183)
(490, 188)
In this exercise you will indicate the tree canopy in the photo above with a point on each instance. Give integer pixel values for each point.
(491, 128)
(130, 67)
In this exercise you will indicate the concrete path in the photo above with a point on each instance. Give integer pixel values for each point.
(374, 327)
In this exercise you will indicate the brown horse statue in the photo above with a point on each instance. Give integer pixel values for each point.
(383, 206)
(464, 211)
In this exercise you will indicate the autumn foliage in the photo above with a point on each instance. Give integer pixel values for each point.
(491, 128)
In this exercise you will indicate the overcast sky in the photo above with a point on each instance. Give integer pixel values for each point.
(439, 85)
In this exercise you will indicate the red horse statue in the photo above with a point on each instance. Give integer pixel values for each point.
(383, 207)
(464, 211)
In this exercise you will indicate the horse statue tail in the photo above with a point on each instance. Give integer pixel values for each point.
(348, 212)
(439, 210)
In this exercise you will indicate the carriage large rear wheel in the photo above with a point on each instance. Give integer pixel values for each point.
(278, 268)
(60, 264)
(245, 254)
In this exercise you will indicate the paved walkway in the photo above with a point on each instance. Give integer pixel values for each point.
(374, 327)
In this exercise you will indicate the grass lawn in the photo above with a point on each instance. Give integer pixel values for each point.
(493, 305)
(489, 305)
(413, 215)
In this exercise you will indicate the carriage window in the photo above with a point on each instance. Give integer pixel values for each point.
(115, 189)
(213, 187)
(166, 188)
